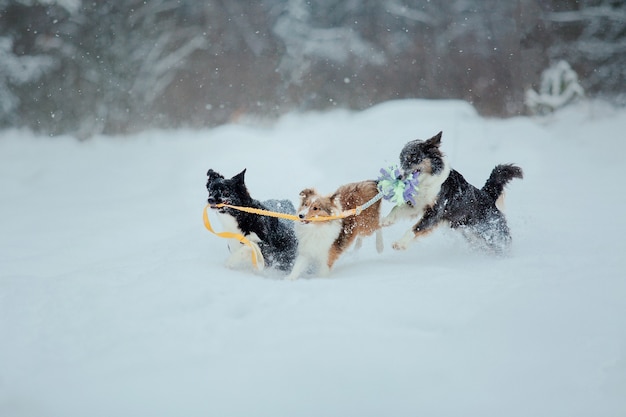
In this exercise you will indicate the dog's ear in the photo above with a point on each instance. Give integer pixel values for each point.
(240, 177)
(213, 175)
(306, 194)
(335, 200)
(435, 141)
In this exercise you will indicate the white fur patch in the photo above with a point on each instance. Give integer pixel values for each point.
(428, 189)
(314, 242)
(500, 202)
(240, 254)
(229, 224)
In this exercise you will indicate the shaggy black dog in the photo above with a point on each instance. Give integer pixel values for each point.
(275, 237)
(444, 196)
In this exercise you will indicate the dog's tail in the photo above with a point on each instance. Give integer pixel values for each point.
(499, 177)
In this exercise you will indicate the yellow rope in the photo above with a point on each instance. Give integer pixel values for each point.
(254, 248)
(262, 212)
(230, 235)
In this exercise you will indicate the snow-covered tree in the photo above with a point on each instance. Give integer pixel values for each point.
(121, 56)
(14, 71)
(559, 87)
(83, 67)
(113, 60)
(591, 36)
(307, 40)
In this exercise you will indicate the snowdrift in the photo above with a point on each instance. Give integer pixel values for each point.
(114, 300)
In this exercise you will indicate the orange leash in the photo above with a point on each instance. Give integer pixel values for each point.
(256, 252)
(342, 215)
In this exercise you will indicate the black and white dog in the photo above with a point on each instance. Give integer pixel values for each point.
(444, 196)
(275, 237)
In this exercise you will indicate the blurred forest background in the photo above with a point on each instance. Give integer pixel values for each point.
(117, 66)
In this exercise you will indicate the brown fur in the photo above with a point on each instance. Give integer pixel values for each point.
(346, 197)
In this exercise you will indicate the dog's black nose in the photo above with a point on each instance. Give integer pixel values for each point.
(211, 200)
(301, 216)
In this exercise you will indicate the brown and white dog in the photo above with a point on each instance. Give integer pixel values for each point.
(320, 243)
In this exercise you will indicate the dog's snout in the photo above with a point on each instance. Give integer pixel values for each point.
(405, 173)
(211, 200)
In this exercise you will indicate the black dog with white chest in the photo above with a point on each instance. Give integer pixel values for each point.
(444, 196)
(275, 237)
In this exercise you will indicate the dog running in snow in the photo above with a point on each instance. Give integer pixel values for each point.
(444, 196)
(320, 243)
(275, 237)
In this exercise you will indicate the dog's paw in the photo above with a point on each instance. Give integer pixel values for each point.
(386, 221)
(291, 277)
(403, 243)
(241, 258)
(399, 245)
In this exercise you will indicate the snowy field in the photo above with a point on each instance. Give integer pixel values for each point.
(114, 300)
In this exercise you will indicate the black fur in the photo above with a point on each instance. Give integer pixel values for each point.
(499, 177)
(278, 242)
(471, 210)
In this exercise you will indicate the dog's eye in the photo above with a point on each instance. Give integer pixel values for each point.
(315, 208)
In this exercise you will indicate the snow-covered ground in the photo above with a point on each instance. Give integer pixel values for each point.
(114, 300)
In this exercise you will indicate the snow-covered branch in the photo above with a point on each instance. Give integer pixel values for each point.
(587, 13)
(400, 10)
